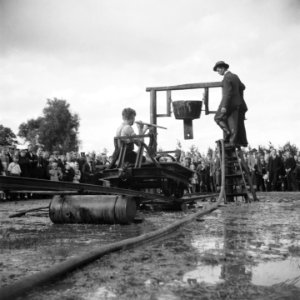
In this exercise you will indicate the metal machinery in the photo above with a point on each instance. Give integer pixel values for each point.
(169, 178)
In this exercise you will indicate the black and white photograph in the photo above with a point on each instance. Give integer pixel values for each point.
(149, 149)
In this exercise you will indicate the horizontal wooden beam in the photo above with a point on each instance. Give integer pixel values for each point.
(200, 85)
(132, 137)
(163, 115)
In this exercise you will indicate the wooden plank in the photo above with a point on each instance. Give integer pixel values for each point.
(187, 86)
(148, 124)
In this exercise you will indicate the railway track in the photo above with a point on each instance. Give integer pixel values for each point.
(14, 185)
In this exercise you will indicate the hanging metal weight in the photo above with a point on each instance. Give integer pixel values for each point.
(187, 111)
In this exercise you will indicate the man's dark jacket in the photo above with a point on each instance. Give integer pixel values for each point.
(233, 93)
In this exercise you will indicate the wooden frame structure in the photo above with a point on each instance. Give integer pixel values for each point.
(168, 89)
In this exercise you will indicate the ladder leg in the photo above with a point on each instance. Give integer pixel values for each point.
(235, 172)
(249, 178)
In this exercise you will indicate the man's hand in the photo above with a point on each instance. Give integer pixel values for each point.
(145, 128)
(139, 125)
(142, 128)
(223, 110)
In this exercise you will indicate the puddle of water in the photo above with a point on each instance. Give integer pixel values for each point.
(204, 243)
(265, 274)
(274, 272)
(101, 293)
(166, 295)
(208, 274)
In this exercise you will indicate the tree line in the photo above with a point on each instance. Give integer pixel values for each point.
(56, 130)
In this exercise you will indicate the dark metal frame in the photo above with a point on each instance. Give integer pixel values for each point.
(171, 177)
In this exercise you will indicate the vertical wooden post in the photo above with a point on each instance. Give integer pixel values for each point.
(206, 100)
(169, 100)
(153, 113)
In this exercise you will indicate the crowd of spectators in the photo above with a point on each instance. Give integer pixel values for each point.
(71, 166)
(271, 170)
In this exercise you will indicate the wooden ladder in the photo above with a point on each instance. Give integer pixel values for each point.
(236, 173)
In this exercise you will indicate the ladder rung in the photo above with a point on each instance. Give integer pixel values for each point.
(237, 194)
(234, 175)
(228, 146)
(241, 188)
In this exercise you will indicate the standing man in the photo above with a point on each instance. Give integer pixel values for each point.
(275, 167)
(87, 170)
(31, 155)
(290, 165)
(230, 115)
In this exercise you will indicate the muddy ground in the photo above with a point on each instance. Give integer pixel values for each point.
(240, 251)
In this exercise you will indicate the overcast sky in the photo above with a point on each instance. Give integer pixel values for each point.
(100, 55)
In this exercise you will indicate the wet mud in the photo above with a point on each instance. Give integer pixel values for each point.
(240, 251)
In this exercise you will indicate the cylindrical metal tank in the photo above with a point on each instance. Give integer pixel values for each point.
(95, 209)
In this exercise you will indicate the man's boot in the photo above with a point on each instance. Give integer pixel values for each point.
(226, 130)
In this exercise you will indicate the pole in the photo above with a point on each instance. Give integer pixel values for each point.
(153, 114)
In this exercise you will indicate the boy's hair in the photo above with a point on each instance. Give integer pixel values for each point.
(128, 113)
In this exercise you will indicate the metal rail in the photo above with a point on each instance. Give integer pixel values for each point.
(8, 183)
(14, 185)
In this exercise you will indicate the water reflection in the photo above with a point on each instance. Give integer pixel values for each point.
(237, 256)
(235, 251)
(100, 293)
(208, 274)
(275, 272)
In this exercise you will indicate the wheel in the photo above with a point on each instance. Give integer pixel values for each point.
(167, 188)
(183, 207)
(159, 157)
(172, 188)
(179, 191)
